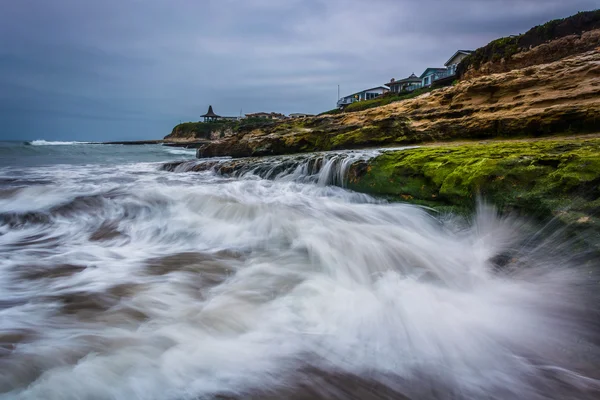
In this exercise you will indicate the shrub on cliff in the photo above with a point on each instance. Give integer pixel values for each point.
(505, 48)
(205, 130)
(388, 98)
(199, 130)
(253, 123)
(332, 112)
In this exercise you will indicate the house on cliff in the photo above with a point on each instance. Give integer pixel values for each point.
(300, 115)
(409, 84)
(264, 115)
(452, 63)
(444, 76)
(431, 75)
(367, 94)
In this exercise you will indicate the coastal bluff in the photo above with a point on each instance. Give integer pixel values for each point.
(562, 97)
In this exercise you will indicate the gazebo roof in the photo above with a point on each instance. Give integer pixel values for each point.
(210, 113)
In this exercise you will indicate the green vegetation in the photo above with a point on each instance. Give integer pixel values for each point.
(544, 178)
(505, 48)
(494, 51)
(203, 130)
(199, 130)
(387, 98)
(331, 112)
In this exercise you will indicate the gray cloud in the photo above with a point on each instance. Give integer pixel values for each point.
(126, 69)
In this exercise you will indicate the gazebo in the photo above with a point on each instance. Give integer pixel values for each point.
(210, 115)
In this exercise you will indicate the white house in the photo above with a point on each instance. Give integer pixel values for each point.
(299, 115)
(453, 62)
(367, 94)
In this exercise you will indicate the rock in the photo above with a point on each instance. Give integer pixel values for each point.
(542, 178)
(542, 100)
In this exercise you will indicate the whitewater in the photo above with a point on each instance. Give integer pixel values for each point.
(137, 272)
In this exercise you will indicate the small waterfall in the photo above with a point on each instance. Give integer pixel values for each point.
(326, 168)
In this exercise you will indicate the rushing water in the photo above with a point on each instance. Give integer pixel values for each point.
(122, 277)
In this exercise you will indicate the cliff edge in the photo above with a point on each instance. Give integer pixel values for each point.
(562, 97)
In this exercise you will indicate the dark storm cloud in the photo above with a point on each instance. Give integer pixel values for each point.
(75, 69)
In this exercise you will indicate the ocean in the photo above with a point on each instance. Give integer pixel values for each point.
(126, 272)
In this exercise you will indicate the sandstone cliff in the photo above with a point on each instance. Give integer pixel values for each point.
(562, 97)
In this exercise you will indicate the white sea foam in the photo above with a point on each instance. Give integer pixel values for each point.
(128, 282)
(54, 143)
(180, 151)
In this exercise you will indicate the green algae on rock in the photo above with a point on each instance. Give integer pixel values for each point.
(542, 178)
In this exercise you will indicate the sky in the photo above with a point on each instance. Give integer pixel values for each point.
(132, 69)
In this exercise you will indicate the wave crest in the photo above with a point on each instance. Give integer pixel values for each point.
(42, 142)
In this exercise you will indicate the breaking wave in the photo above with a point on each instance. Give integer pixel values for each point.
(180, 151)
(134, 282)
(53, 143)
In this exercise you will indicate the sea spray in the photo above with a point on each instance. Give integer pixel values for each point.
(134, 282)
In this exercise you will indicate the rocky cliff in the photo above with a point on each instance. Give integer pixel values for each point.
(562, 97)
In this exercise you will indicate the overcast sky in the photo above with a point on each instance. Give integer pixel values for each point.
(132, 69)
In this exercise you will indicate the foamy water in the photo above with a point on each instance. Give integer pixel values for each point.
(42, 142)
(130, 282)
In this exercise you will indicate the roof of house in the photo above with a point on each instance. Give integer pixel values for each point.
(432, 70)
(273, 114)
(411, 78)
(367, 90)
(211, 113)
(465, 52)
(300, 114)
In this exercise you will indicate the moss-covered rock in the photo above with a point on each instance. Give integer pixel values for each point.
(544, 178)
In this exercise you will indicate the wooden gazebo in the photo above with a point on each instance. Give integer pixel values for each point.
(210, 115)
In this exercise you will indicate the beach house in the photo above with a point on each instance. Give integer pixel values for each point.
(409, 84)
(431, 75)
(367, 94)
(453, 62)
(446, 75)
